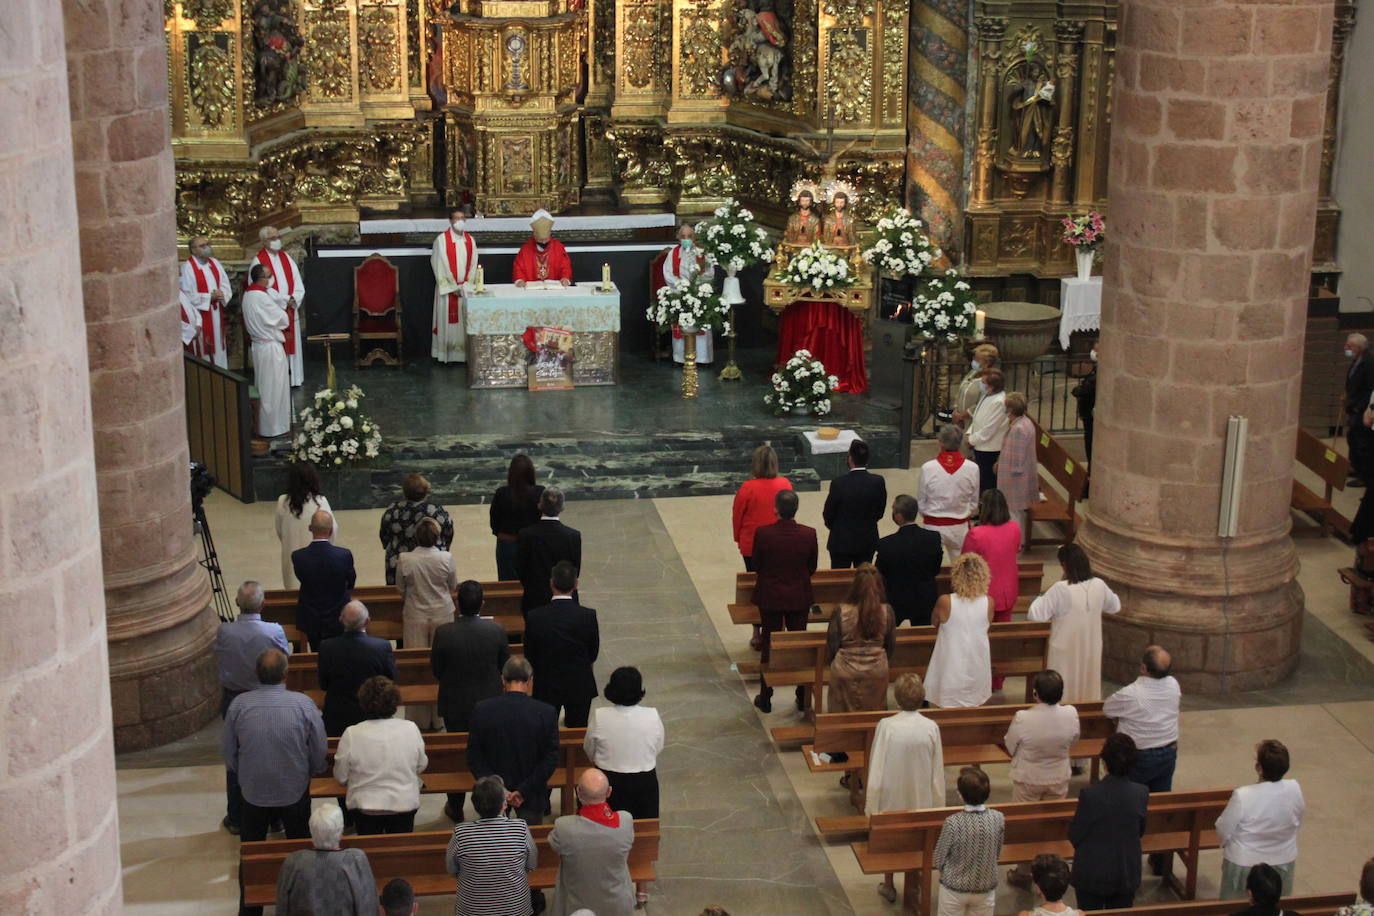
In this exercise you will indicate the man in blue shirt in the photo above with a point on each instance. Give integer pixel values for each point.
(237, 647)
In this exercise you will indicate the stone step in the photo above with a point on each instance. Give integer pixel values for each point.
(607, 443)
(620, 486)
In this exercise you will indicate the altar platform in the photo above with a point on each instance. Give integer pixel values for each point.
(636, 439)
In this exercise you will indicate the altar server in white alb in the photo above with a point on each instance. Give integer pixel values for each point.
(206, 283)
(685, 263)
(454, 260)
(265, 322)
(288, 289)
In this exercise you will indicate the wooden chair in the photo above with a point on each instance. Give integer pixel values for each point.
(1057, 466)
(1332, 468)
(377, 312)
(656, 283)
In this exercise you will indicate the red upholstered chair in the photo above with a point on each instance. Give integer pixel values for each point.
(376, 313)
(661, 343)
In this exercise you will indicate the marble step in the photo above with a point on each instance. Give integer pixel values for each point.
(599, 443)
(570, 468)
(612, 486)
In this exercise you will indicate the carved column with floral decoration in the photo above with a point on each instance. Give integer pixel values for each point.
(698, 54)
(1328, 212)
(991, 30)
(1067, 33)
(938, 74)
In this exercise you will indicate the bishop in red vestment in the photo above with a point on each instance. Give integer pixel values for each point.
(542, 257)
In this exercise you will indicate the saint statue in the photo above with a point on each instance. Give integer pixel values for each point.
(838, 229)
(804, 226)
(1032, 115)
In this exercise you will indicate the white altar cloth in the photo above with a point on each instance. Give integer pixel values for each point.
(478, 225)
(1080, 306)
(509, 309)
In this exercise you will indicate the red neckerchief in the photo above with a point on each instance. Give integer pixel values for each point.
(601, 814)
(257, 286)
(207, 318)
(950, 461)
(451, 249)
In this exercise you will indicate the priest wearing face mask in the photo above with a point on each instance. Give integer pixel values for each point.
(288, 289)
(453, 258)
(265, 322)
(685, 263)
(206, 283)
(542, 257)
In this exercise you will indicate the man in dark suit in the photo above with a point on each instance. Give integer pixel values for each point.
(853, 507)
(1359, 385)
(1106, 830)
(327, 577)
(541, 545)
(515, 736)
(345, 662)
(910, 560)
(785, 555)
(466, 658)
(562, 640)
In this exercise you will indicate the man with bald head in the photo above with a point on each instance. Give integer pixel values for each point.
(345, 662)
(205, 284)
(327, 577)
(593, 846)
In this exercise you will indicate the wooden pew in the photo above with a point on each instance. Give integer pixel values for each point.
(1057, 466)
(414, 676)
(970, 737)
(420, 859)
(1332, 468)
(1019, 648)
(448, 766)
(384, 607)
(1307, 904)
(904, 841)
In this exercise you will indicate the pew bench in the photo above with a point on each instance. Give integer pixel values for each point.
(414, 676)
(1057, 467)
(1332, 469)
(1307, 904)
(420, 859)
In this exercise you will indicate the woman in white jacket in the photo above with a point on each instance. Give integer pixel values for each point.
(988, 427)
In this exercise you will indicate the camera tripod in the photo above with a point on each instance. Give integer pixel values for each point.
(209, 559)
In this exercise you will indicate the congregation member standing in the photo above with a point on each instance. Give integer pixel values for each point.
(968, 848)
(1107, 825)
(1086, 394)
(1051, 876)
(266, 324)
(345, 662)
(1038, 742)
(859, 645)
(492, 857)
(1264, 888)
(1017, 469)
(466, 658)
(380, 760)
(960, 671)
(205, 283)
(593, 849)
(397, 531)
(909, 560)
(785, 556)
(288, 291)
(514, 507)
(327, 878)
(987, 428)
(453, 259)
(515, 736)
(1261, 822)
(853, 507)
(997, 539)
(1359, 387)
(327, 577)
(753, 507)
(238, 644)
(302, 499)
(970, 390)
(540, 546)
(562, 641)
(949, 492)
(1074, 607)
(426, 580)
(1364, 902)
(398, 899)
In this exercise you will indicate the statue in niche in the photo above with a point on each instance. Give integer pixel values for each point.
(1031, 101)
(277, 63)
(759, 67)
(838, 230)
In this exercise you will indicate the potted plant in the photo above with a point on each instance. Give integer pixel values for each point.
(801, 385)
(731, 240)
(1085, 234)
(818, 269)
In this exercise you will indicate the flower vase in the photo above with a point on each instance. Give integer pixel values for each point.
(689, 362)
(1085, 262)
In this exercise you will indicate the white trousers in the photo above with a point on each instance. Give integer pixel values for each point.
(274, 388)
(706, 350)
(952, 536)
(417, 630)
(958, 903)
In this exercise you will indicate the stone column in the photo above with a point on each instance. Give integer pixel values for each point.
(59, 852)
(1215, 151)
(160, 626)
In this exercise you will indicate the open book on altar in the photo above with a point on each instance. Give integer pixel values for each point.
(548, 286)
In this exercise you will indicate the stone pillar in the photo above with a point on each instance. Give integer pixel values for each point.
(1215, 151)
(59, 852)
(160, 626)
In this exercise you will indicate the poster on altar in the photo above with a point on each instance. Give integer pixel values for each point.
(552, 368)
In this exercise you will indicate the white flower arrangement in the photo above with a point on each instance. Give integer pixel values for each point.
(695, 305)
(731, 240)
(943, 307)
(801, 382)
(334, 432)
(901, 246)
(817, 268)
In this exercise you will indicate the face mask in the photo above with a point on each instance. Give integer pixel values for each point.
(205, 253)
(275, 244)
(975, 364)
(1093, 356)
(983, 387)
(1349, 353)
(457, 225)
(686, 243)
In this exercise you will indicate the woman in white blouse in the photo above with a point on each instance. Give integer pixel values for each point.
(380, 761)
(1260, 824)
(301, 500)
(1074, 607)
(988, 427)
(624, 742)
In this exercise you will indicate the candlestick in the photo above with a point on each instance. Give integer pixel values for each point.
(979, 317)
(606, 277)
(480, 283)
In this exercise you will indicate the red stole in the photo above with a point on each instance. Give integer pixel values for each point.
(950, 461)
(284, 270)
(451, 250)
(601, 814)
(207, 319)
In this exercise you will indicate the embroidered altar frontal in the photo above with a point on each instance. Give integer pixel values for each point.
(497, 319)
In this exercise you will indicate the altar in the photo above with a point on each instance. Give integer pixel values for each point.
(498, 317)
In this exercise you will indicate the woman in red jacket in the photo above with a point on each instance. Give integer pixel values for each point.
(754, 507)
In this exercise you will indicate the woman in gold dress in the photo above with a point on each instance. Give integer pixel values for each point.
(839, 227)
(859, 644)
(804, 226)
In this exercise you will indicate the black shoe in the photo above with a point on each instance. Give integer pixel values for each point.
(455, 816)
(764, 701)
(801, 699)
(1356, 483)
(229, 825)
(537, 902)
(277, 827)
(839, 757)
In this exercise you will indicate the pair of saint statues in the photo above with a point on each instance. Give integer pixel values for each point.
(835, 229)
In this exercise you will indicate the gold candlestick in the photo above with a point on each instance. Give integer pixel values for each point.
(689, 363)
(731, 371)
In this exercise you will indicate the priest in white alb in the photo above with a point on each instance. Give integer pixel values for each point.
(206, 282)
(686, 263)
(454, 260)
(265, 322)
(289, 291)
(190, 324)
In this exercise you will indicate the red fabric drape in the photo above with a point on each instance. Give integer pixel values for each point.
(832, 334)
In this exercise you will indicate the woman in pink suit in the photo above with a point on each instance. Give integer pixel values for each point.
(997, 539)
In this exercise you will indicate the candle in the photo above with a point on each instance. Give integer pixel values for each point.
(979, 317)
(606, 277)
(481, 279)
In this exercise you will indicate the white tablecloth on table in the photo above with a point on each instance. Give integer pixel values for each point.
(510, 310)
(821, 446)
(478, 225)
(1080, 306)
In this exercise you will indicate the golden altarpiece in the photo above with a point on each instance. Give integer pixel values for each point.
(990, 122)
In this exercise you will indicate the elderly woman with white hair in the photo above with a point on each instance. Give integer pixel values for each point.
(326, 879)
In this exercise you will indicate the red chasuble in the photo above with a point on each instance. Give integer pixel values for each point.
(550, 264)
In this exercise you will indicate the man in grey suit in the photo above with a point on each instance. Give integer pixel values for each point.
(593, 846)
(466, 658)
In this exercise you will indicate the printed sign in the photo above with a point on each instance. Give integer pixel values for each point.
(552, 368)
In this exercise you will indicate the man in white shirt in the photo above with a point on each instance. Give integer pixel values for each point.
(289, 292)
(265, 322)
(685, 263)
(1260, 823)
(948, 493)
(206, 283)
(1038, 742)
(453, 258)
